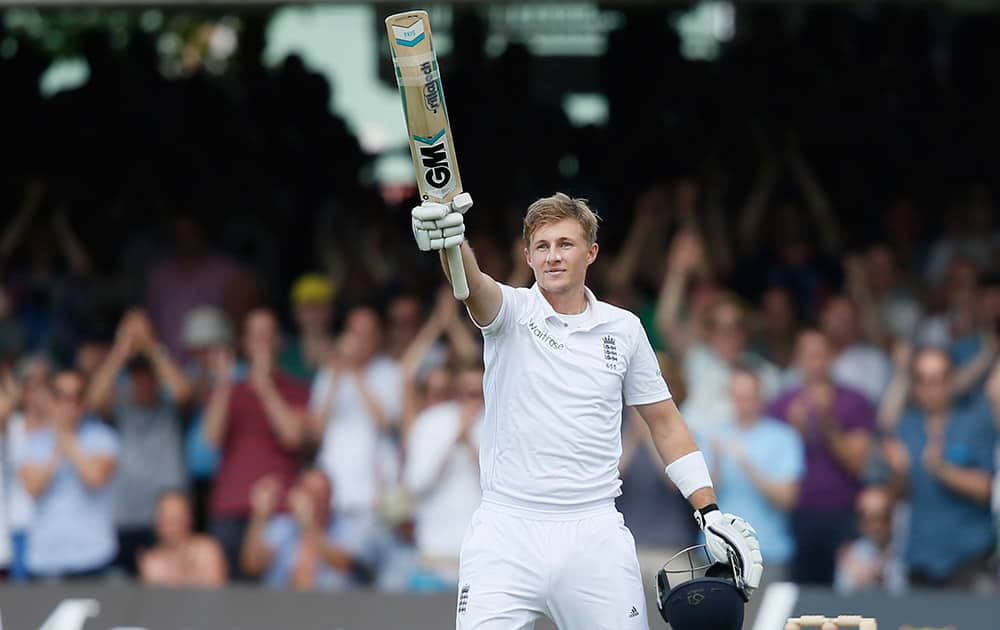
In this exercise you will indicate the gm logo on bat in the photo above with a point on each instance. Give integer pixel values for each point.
(435, 162)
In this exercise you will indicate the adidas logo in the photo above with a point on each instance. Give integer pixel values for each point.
(634, 613)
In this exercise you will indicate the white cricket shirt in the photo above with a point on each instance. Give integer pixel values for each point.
(554, 387)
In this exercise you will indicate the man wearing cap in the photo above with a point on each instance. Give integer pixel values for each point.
(141, 388)
(312, 308)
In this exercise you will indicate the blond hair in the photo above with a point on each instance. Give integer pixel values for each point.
(556, 208)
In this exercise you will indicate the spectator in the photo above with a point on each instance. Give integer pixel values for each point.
(708, 362)
(404, 318)
(312, 308)
(993, 395)
(971, 233)
(258, 423)
(776, 324)
(355, 401)
(871, 561)
(310, 548)
(942, 459)
(140, 388)
(856, 365)
(208, 338)
(68, 468)
(45, 291)
(889, 309)
(792, 244)
(12, 335)
(180, 557)
(442, 473)
(95, 344)
(959, 319)
(757, 464)
(975, 353)
(426, 381)
(190, 277)
(9, 395)
(17, 423)
(836, 425)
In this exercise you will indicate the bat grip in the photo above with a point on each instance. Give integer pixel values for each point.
(459, 283)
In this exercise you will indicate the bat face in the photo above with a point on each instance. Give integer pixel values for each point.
(431, 144)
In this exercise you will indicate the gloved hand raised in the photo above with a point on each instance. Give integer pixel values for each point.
(439, 226)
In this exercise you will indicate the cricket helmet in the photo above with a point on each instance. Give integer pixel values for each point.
(695, 593)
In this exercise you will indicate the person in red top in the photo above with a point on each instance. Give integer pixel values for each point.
(258, 423)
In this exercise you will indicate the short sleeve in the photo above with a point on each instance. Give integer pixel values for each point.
(511, 305)
(644, 382)
(98, 439)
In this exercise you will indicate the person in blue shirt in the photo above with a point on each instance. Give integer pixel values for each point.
(942, 459)
(307, 547)
(67, 467)
(757, 463)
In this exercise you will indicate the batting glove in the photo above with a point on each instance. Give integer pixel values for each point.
(440, 225)
(731, 540)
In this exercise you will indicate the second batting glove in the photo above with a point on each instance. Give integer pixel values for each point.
(439, 225)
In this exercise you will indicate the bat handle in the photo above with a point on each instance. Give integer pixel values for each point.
(459, 283)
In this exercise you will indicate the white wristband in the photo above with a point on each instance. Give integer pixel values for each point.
(689, 473)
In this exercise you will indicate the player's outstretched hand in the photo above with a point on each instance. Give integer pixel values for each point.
(440, 225)
(730, 538)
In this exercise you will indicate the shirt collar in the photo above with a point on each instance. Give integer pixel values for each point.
(598, 316)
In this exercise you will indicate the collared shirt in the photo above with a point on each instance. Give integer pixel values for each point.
(946, 528)
(551, 438)
(73, 526)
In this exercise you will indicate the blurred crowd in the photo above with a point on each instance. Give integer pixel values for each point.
(222, 357)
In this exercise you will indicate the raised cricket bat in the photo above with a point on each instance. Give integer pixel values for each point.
(428, 129)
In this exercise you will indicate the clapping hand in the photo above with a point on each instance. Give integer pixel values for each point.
(264, 496)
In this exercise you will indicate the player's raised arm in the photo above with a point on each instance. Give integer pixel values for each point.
(438, 226)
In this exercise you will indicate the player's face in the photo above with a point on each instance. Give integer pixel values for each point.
(559, 255)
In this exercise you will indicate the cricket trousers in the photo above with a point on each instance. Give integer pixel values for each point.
(578, 569)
